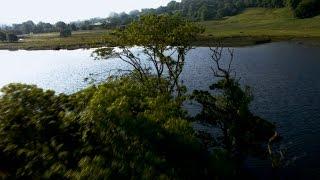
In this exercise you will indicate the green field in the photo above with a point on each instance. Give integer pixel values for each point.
(253, 26)
(79, 39)
(260, 22)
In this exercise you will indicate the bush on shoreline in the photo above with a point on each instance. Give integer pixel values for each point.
(118, 129)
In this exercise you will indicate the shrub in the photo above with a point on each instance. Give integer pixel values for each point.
(11, 37)
(307, 8)
(120, 129)
(3, 36)
(65, 32)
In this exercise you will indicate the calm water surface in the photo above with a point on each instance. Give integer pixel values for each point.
(284, 78)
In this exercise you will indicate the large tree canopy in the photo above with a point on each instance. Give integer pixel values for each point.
(163, 41)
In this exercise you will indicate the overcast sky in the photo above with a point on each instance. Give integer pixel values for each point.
(17, 11)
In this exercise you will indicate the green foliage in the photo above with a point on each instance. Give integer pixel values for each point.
(8, 37)
(132, 127)
(53, 41)
(230, 112)
(293, 3)
(200, 10)
(11, 37)
(261, 23)
(121, 129)
(227, 108)
(304, 8)
(307, 8)
(3, 36)
(64, 29)
(124, 114)
(35, 137)
(29, 27)
(65, 32)
(160, 31)
(164, 40)
(61, 25)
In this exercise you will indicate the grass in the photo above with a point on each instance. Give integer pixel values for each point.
(79, 39)
(253, 26)
(261, 23)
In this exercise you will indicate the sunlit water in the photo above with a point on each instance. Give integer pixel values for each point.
(284, 78)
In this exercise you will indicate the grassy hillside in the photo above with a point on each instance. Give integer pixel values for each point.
(253, 26)
(264, 22)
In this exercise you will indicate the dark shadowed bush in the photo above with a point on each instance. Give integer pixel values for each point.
(3, 36)
(11, 37)
(121, 129)
(65, 32)
(307, 8)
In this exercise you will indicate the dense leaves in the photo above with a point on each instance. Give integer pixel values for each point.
(121, 129)
(35, 138)
(161, 30)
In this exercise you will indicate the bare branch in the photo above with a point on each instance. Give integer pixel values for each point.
(216, 57)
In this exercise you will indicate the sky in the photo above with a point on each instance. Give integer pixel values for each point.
(17, 11)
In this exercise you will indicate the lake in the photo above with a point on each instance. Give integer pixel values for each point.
(284, 77)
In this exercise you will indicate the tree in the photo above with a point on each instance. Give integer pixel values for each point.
(307, 8)
(134, 13)
(164, 40)
(64, 29)
(11, 37)
(120, 129)
(86, 25)
(42, 27)
(203, 13)
(73, 27)
(293, 3)
(65, 32)
(227, 108)
(3, 36)
(28, 27)
(61, 25)
(173, 5)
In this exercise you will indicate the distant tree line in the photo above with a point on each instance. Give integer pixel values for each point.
(42, 27)
(195, 10)
(8, 37)
(202, 10)
(199, 10)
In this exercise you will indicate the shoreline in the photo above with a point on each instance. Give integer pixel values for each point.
(204, 41)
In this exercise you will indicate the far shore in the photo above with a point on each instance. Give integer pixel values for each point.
(87, 42)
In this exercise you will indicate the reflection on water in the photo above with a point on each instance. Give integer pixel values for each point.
(284, 78)
(63, 71)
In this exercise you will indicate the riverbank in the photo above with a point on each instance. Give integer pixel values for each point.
(94, 39)
(52, 41)
(91, 40)
(251, 27)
